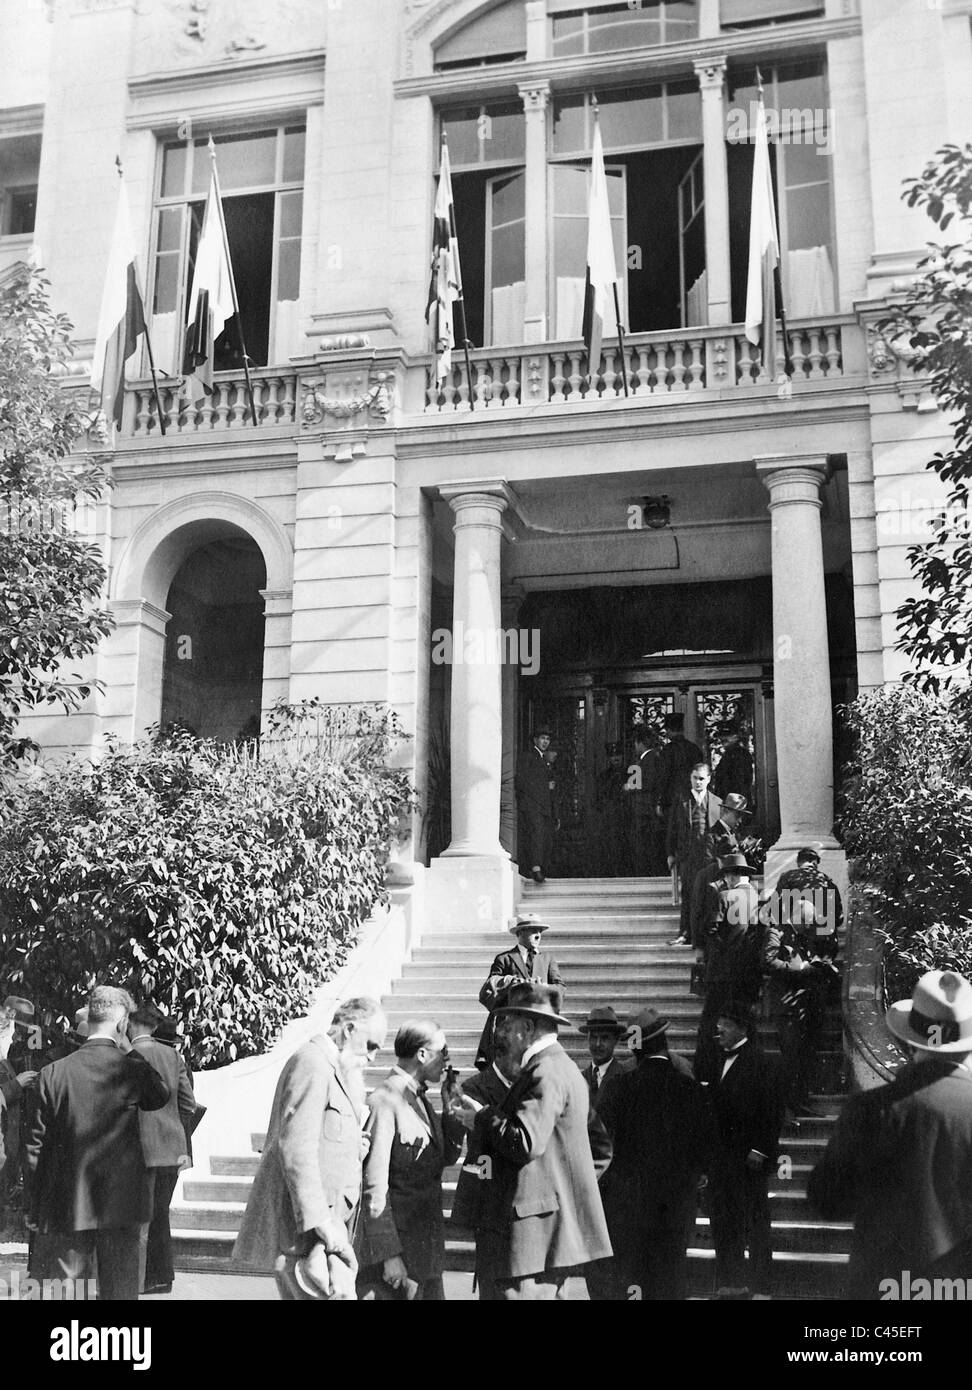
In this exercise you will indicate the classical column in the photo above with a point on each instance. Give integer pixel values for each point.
(801, 663)
(711, 73)
(535, 96)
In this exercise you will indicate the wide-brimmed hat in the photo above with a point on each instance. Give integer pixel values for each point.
(737, 864)
(602, 1016)
(20, 1008)
(536, 1001)
(938, 1016)
(527, 921)
(737, 803)
(649, 1023)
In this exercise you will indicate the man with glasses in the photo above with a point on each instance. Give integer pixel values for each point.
(403, 1246)
(303, 1207)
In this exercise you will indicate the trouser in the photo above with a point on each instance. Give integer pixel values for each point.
(536, 832)
(740, 1216)
(799, 1027)
(429, 1291)
(155, 1238)
(116, 1253)
(532, 1288)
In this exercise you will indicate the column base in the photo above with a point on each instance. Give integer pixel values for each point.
(783, 856)
(474, 893)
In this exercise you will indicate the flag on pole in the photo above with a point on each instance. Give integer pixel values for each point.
(445, 286)
(764, 251)
(602, 274)
(121, 321)
(212, 301)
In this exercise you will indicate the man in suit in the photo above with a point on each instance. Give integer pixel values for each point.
(744, 1092)
(642, 788)
(692, 817)
(675, 763)
(403, 1245)
(733, 953)
(720, 842)
(15, 1081)
(615, 816)
(525, 961)
(603, 1033)
(535, 786)
(734, 772)
(541, 1202)
(303, 1206)
(660, 1133)
(164, 1146)
(899, 1163)
(87, 1184)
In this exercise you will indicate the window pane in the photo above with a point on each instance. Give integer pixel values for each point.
(504, 133)
(568, 34)
(166, 283)
(291, 208)
(173, 171)
(805, 164)
(631, 117)
(170, 229)
(802, 87)
(509, 256)
(610, 32)
(684, 103)
(808, 217)
(570, 245)
(570, 190)
(615, 187)
(509, 200)
(243, 161)
(568, 130)
(462, 127)
(288, 270)
(293, 155)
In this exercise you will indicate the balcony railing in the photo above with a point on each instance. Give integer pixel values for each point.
(656, 364)
(228, 408)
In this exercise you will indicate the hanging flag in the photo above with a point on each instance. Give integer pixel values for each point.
(212, 301)
(764, 252)
(601, 288)
(445, 286)
(121, 321)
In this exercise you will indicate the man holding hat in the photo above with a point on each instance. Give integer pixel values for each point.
(541, 1200)
(524, 961)
(603, 1032)
(900, 1160)
(535, 786)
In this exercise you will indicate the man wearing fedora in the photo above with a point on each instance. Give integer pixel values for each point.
(524, 961)
(542, 1203)
(733, 954)
(693, 815)
(899, 1163)
(661, 1137)
(535, 786)
(604, 1031)
(720, 842)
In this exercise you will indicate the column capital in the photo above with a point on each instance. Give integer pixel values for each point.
(491, 494)
(535, 95)
(711, 72)
(793, 478)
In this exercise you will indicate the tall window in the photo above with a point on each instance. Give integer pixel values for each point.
(261, 175)
(601, 26)
(498, 36)
(19, 163)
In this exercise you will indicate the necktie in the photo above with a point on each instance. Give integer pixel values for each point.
(531, 961)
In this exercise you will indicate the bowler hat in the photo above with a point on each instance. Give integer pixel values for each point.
(738, 1011)
(938, 1016)
(650, 1023)
(674, 723)
(527, 921)
(736, 864)
(737, 803)
(167, 1029)
(21, 1008)
(536, 1001)
(603, 1017)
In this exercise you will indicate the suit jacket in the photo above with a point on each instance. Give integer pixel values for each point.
(493, 994)
(900, 1165)
(85, 1169)
(675, 763)
(10, 1094)
(164, 1131)
(748, 1107)
(542, 1199)
(467, 1204)
(686, 847)
(719, 842)
(734, 773)
(310, 1173)
(532, 783)
(615, 1068)
(410, 1146)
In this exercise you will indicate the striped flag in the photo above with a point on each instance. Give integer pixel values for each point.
(764, 252)
(445, 286)
(121, 321)
(213, 297)
(602, 273)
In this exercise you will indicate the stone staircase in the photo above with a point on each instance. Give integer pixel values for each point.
(610, 938)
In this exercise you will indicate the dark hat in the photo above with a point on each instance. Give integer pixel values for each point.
(736, 864)
(20, 1008)
(167, 1029)
(536, 1001)
(148, 1012)
(649, 1023)
(602, 1016)
(938, 1016)
(735, 802)
(543, 729)
(808, 852)
(527, 921)
(738, 1011)
(674, 723)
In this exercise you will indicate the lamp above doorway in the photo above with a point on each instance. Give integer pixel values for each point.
(657, 512)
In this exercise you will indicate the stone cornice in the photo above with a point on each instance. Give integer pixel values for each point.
(642, 65)
(22, 120)
(282, 83)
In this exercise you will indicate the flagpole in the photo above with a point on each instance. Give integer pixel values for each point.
(459, 297)
(617, 298)
(777, 272)
(232, 280)
(148, 339)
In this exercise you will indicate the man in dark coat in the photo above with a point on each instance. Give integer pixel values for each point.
(403, 1241)
(675, 763)
(660, 1133)
(720, 842)
(15, 1080)
(604, 1032)
(692, 817)
(642, 791)
(899, 1163)
(305, 1198)
(535, 786)
(524, 961)
(733, 953)
(734, 772)
(744, 1091)
(164, 1146)
(87, 1183)
(542, 1201)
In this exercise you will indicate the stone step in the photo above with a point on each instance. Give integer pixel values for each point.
(665, 995)
(207, 1216)
(583, 932)
(433, 975)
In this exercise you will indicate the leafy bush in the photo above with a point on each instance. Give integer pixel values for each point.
(906, 814)
(225, 883)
